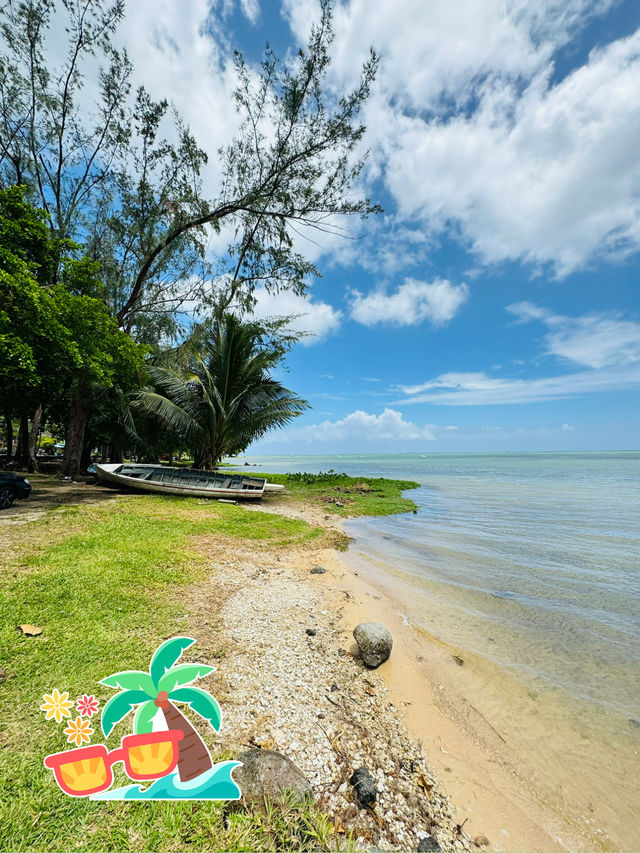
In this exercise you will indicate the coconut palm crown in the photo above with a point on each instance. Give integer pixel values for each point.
(219, 395)
(164, 684)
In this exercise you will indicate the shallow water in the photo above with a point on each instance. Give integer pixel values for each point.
(529, 563)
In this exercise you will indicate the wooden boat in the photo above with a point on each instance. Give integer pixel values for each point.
(183, 481)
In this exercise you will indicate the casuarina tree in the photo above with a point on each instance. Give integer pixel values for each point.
(126, 179)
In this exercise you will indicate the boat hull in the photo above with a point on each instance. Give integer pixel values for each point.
(180, 482)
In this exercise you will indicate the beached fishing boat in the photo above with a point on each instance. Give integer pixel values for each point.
(183, 481)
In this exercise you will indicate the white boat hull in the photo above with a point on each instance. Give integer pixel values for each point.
(110, 475)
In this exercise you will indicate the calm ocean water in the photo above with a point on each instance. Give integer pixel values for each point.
(530, 562)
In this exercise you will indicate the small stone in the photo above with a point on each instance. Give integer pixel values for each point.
(334, 687)
(428, 844)
(365, 789)
(458, 660)
(266, 773)
(318, 570)
(634, 723)
(481, 841)
(311, 632)
(374, 641)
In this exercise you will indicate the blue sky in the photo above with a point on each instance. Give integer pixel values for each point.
(494, 305)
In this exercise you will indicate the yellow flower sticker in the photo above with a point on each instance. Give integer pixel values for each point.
(78, 731)
(56, 705)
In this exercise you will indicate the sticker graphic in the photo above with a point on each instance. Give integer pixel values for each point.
(164, 746)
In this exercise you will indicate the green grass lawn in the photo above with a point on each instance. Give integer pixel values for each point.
(107, 583)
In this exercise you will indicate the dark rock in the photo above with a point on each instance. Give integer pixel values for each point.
(265, 773)
(428, 844)
(311, 632)
(366, 791)
(318, 570)
(632, 722)
(458, 660)
(374, 641)
(334, 687)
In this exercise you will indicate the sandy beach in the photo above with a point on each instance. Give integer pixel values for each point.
(442, 770)
(290, 679)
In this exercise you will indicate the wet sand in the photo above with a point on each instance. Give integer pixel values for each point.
(472, 760)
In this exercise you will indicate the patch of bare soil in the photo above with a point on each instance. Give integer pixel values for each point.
(50, 492)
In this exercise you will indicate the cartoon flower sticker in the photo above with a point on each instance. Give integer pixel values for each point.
(78, 731)
(87, 706)
(56, 705)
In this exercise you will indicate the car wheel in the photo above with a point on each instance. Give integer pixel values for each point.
(7, 496)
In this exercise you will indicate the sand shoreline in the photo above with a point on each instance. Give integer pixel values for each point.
(468, 757)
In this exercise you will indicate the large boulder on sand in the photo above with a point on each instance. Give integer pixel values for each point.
(265, 773)
(374, 641)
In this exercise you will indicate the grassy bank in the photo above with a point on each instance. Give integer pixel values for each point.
(107, 582)
(347, 496)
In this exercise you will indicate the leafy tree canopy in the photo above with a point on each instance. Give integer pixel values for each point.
(52, 335)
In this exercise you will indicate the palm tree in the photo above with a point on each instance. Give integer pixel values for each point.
(158, 689)
(220, 395)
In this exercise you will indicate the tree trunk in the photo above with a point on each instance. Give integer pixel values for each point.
(78, 417)
(194, 756)
(36, 420)
(116, 455)
(9, 428)
(203, 459)
(85, 456)
(23, 441)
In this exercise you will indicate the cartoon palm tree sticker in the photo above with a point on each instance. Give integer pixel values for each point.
(158, 690)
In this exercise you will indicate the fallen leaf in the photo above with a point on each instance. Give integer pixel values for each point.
(30, 630)
(378, 819)
(369, 690)
(424, 784)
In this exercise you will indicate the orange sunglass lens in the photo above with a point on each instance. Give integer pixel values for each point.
(151, 759)
(85, 775)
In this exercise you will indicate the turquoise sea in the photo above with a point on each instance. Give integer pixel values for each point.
(530, 564)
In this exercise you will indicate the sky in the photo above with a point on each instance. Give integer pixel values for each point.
(493, 305)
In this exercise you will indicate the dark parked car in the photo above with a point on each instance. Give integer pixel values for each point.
(12, 486)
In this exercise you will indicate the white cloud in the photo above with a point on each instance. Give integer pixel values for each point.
(412, 302)
(433, 52)
(568, 428)
(593, 340)
(319, 319)
(250, 9)
(469, 129)
(359, 429)
(549, 176)
(473, 134)
(606, 345)
(478, 389)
